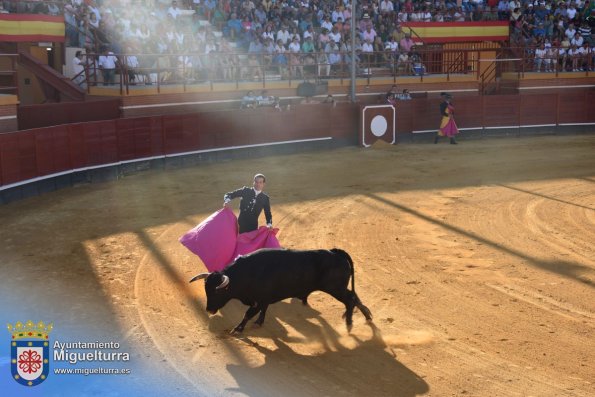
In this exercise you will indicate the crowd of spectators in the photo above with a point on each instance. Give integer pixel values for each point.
(558, 36)
(294, 37)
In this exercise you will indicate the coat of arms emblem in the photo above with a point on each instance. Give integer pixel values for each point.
(29, 352)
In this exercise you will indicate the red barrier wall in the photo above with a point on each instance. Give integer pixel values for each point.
(499, 111)
(37, 116)
(44, 151)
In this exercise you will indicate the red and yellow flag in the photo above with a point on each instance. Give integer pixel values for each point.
(31, 27)
(448, 32)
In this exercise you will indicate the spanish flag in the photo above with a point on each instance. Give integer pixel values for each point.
(31, 27)
(448, 32)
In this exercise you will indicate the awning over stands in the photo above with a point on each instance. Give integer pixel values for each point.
(31, 27)
(448, 32)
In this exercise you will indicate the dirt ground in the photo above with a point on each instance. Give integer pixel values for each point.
(476, 260)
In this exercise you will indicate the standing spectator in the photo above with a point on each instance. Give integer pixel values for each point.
(368, 53)
(448, 127)
(132, 65)
(588, 57)
(295, 60)
(404, 63)
(540, 55)
(107, 64)
(280, 57)
(78, 68)
(574, 56)
(550, 57)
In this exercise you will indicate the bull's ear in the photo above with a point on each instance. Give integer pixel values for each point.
(199, 277)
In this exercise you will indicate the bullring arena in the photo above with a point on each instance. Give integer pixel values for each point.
(476, 261)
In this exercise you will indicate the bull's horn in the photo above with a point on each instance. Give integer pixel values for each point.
(224, 283)
(199, 277)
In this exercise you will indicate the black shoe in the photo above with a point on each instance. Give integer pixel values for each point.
(453, 142)
(436, 139)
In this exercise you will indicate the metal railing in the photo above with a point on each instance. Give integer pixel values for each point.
(190, 69)
(187, 70)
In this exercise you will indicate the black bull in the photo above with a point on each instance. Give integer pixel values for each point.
(271, 275)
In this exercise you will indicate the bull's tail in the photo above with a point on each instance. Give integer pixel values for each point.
(346, 256)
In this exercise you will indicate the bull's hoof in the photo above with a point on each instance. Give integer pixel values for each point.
(349, 327)
(237, 330)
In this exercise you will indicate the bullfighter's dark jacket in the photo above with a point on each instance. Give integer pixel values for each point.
(251, 205)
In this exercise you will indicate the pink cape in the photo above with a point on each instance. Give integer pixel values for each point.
(217, 243)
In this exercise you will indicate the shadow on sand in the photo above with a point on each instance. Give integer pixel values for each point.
(335, 363)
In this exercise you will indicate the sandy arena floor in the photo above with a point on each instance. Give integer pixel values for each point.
(477, 261)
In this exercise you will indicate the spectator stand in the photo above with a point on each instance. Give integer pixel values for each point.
(210, 46)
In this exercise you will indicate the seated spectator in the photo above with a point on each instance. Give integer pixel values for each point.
(233, 29)
(539, 31)
(406, 43)
(323, 39)
(267, 100)
(173, 10)
(219, 17)
(248, 101)
(391, 99)
(404, 96)
(283, 35)
(417, 66)
(329, 99)
(577, 40)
